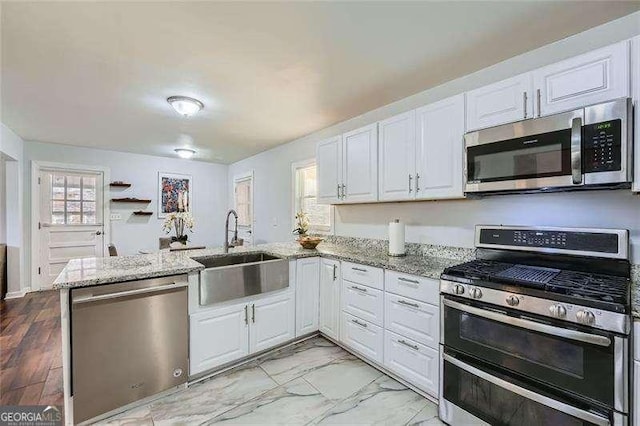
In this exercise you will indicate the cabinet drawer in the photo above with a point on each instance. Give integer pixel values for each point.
(419, 288)
(363, 336)
(416, 363)
(361, 274)
(364, 302)
(636, 339)
(413, 319)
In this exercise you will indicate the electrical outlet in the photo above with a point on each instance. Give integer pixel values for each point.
(116, 216)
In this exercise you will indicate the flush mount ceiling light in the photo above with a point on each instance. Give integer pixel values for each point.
(185, 105)
(185, 152)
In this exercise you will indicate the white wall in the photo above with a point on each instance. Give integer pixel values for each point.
(446, 222)
(134, 233)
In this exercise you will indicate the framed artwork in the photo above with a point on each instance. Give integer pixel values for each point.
(174, 193)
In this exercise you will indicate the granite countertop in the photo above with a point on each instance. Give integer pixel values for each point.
(96, 271)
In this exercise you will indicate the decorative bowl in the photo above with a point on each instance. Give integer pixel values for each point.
(310, 242)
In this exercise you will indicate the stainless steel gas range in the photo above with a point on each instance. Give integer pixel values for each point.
(536, 330)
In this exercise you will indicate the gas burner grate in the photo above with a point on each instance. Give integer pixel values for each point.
(532, 274)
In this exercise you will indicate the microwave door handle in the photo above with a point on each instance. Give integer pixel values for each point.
(576, 151)
(565, 333)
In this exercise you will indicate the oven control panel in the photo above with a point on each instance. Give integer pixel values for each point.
(602, 146)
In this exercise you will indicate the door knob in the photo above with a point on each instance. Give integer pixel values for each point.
(98, 232)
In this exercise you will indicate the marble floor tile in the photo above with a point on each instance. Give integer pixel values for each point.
(383, 402)
(297, 361)
(427, 416)
(295, 403)
(138, 416)
(342, 377)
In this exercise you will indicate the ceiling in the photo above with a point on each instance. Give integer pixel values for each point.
(97, 74)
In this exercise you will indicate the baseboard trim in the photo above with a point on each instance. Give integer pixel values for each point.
(17, 294)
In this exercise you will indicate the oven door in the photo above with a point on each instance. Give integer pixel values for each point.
(475, 393)
(589, 364)
(532, 154)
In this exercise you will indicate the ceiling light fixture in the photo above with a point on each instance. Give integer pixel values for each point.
(185, 105)
(185, 153)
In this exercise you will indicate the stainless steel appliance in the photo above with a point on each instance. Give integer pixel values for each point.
(240, 275)
(588, 147)
(536, 330)
(129, 341)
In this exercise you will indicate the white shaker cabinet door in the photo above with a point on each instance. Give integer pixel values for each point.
(272, 321)
(397, 157)
(329, 170)
(598, 76)
(416, 363)
(360, 165)
(330, 298)
(218, 336)
(307, 295)
(440, 142)
(503, 102)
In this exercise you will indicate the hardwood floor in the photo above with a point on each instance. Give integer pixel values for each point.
(30, 350)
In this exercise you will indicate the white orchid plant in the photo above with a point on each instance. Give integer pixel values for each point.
(180, 221)
(302, 223)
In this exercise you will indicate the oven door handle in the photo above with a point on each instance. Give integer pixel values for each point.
(594, 339)
(526, 393)
(576, 151)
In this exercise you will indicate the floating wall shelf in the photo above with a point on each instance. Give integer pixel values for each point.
(129, 200)
(119, 185)
(142, 213)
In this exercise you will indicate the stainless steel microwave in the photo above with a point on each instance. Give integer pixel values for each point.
(589, 147)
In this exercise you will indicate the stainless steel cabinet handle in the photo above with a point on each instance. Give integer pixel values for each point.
(407, 280)
(576, 150)
(335, 268)
(344, 192)
(524, 103)
(539, 97)
(253, 313)
(98, 232)
(358, 269)
(361, 324)
(544, 400)
(338, 191)
(417, 183)
(594, 339)
(355, 287)
(413, 305)
(139, 291)
(246, 314)
(410, 178)
(409, 345)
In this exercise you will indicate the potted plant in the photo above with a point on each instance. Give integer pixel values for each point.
(180, 221)
(302, 224)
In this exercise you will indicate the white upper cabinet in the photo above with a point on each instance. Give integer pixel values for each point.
(594, 77)
(440, 144)
(635, 87)
(360, 165)
(396, 162)
(329, 171)
(307, 295)
(503, 102)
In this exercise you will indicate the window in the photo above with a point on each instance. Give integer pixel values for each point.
(243, 199)
(305, 190)
(72, 199)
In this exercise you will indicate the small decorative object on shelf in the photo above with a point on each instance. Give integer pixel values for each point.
(119, 184)
(129, 200)
(142, 213)
(309, 242)
(180, 221)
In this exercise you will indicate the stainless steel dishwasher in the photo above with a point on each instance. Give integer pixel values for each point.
(128, 341)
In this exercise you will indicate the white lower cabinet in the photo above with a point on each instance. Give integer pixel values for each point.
(414, 287)
(307, 295)
(218, 336)
(362, 301)
(363, 337)
(412, 361)
(272, 322)
(417, 320)
(636, 393)
(330, 298)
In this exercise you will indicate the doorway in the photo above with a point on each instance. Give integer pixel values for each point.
(243, 205)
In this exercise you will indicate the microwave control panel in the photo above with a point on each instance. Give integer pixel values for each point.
(602, 146)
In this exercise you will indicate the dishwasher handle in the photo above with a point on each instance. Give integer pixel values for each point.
(120, 294)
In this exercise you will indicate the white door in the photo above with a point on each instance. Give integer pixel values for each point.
(329, 162)
(635, 85)
(594, 77)
(243, 200)
(272, 321)
(440, 147)
(218, 336)
(397, 157)
(360, 165)
(330, 298)
(71, 220)
(307, 295)
(503, 102)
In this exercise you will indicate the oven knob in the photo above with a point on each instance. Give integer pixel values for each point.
(458, 289)
(558, 311)
(513, 300)
(475, 292)
(586, 317)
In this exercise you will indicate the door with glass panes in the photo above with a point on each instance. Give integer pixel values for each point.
(71, 223)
